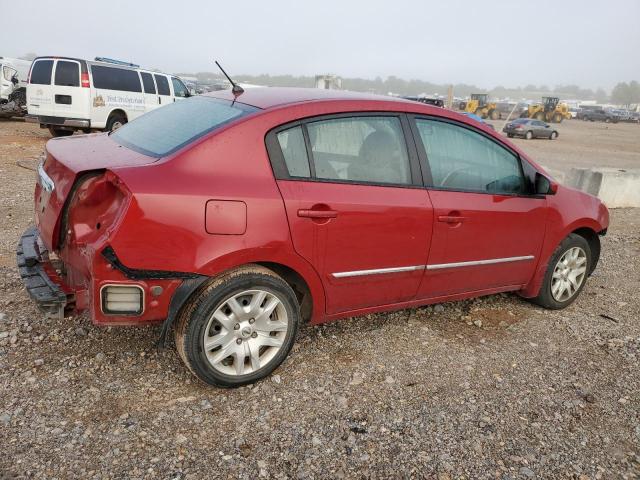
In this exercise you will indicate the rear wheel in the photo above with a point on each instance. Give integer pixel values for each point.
(566, 273)
(553, 135)
(240, 328)
(494, 114)
(557, 118)
(116, 120)
(510, 135)
(481, 113)
(528, 135)
(60, 132)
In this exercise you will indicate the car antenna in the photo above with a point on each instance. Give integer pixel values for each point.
(237, 89)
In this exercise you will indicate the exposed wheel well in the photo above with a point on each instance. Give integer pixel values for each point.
(594, 244)
(116, 112)
(297, 283)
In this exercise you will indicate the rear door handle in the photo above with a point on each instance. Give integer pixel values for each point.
(317, 213)
(451, 219)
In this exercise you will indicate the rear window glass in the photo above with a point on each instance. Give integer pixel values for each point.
(165, 130)
(111, 78)
(41, 72)
(67, 74)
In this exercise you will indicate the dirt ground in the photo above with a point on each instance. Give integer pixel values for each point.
(488, 388)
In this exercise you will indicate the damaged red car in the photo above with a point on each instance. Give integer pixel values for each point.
(233, 219)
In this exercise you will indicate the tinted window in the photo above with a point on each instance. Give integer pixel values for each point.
(361, 149)
(67, 74)
(41, 72)
(147, 82)
(163, 85)
(294, 152)
(165, 130)
(111, 78)
(461, 159)
(179, 90)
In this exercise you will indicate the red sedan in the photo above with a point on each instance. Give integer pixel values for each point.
(234, 219)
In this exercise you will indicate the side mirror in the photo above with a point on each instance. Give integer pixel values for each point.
(544, 186)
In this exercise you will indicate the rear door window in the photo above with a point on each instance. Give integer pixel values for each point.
(163, 85)
(67, 74)
(110, 78)
(294, 151)
(147, 82)
(41, 72)
(360, 149)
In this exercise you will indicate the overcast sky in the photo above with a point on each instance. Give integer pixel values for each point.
(591, 43)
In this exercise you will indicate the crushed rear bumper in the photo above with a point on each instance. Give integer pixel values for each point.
(36, 271)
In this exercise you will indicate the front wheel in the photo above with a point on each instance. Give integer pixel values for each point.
(115, 121)
(553, 135)
(566, 273)
(240, 328)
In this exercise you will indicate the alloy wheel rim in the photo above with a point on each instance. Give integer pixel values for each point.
(245, 332)
(569, 274)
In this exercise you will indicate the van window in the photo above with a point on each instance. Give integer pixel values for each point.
(165, 130)
(179, 90)
(147, 82)
(41, 72)
(67, 74)
(163, 85)
(111, 78)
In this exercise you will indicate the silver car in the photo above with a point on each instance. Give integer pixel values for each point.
(529, 128)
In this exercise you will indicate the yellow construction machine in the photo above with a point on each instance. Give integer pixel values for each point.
(480, 105)
(550, 110)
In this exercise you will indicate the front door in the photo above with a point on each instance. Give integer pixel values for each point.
(151, 99)
(164, 93)
(355, 209)
(488, 229)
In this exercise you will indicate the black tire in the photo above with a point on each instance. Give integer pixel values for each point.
(553, 135)
(193, 320)
(60, 132)
(528, 135)
(545, 297)
(494, 114)
(510, 135)
(115, 121)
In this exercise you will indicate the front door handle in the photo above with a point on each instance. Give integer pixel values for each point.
(451, 219)
(317, 213)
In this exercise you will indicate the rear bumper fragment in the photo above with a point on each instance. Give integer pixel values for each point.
(32, 258)
(58, 121)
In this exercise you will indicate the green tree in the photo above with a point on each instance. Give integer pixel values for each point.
(601, 95)
(622, 94)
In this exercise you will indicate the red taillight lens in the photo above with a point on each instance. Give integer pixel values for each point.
(84, 79)
(519, 127)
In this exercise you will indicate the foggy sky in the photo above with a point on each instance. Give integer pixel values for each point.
(590, 43)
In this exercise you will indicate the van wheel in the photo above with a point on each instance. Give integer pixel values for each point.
(60, 132)
(566, 273)
(116, 120)
(239, 328)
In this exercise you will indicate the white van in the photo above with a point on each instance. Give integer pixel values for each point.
(68, 94)
(13, 83)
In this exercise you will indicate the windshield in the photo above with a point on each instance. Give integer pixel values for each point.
(167, 129)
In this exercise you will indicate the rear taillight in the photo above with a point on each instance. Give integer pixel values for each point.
(519, 127)
(84, 79)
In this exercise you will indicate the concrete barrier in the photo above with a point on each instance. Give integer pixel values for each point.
(615, 187)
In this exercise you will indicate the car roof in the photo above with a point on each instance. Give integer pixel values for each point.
(269, 97)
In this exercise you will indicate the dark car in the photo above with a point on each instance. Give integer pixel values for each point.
(601, 116)
(232, 219)
(529, 128)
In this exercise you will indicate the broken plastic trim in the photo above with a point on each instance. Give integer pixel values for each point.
(137, 274)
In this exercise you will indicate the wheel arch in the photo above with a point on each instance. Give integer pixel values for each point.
(117, 111)
(592, 238)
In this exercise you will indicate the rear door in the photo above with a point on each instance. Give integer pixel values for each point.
(356, 207)
(488, 229)
(39, 91)
(71, 99)
(164, 92)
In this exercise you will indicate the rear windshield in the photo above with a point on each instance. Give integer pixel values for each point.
(167, 129)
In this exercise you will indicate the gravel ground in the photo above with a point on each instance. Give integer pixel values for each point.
(489, 388)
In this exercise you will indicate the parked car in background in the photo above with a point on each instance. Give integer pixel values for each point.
(436, 102)
(635, 117)
(529, 128)
(13, 82)
(600, 115)
(234, 218)
(574, 111)
(68, 94)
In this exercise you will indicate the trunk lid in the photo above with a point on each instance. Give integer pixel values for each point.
(66, 160)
